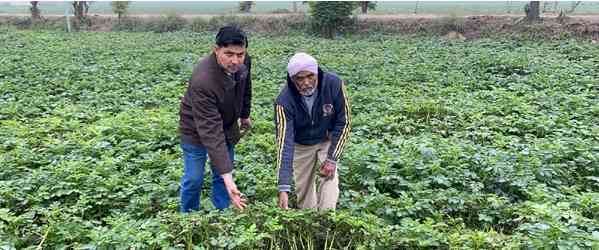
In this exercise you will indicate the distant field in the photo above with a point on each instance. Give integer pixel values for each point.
(458, 8)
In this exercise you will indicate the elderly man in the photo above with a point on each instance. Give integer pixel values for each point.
(217, 100)
(312, 120)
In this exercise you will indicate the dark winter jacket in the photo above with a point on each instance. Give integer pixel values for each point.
(211, 107)
(329, 119)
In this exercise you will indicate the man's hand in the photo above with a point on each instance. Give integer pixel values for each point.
(234, 194)
(245, 123)
(327, 169)
(283, 200)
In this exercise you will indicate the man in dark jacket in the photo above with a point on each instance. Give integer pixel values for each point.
(217, 100)
(312, 119)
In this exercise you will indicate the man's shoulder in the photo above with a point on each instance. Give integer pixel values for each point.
(205, 63)
(329, 75)
(332, 81)
(285, 97)
(203, 75)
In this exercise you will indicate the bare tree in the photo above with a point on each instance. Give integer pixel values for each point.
(416, 7)
(364, 6)
(547, 7)
(533, 11)
(35, 11)
(80, 10)
(367, 5)
(246, 6)
(563, 13)
(573, 7)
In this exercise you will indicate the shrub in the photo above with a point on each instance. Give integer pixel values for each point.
(331, 17)
(200, 24)
(170, 22)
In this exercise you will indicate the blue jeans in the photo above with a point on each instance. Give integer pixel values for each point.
(194, 160)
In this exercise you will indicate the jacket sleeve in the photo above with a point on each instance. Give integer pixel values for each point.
(247, 97)
(209, 126)
(342, 126)
(285, 143)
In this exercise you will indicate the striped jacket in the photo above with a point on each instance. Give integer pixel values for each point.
(330, 119)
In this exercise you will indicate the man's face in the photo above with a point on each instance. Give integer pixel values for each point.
(230, 57)
(305, 82)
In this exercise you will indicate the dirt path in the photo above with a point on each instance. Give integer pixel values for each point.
(470, 27)
(591, 18)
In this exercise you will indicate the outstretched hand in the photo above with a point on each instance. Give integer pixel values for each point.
(283, 200)
(236, 197)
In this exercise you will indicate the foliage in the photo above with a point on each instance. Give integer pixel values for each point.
(330, 17)
(488, 144)
(120, 8)
(170, 22)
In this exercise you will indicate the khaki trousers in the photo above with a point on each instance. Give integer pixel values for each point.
(312, 190)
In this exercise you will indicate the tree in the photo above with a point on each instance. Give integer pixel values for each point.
(330, 17)
(367, 5)
(547, 7)
(562, 14)
(246, 6)
(533, 11)
(35, 11)
(573, 7)
(120, 8)
(416, 7)
(80, 10)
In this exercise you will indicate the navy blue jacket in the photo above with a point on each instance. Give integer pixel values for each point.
(330, 119)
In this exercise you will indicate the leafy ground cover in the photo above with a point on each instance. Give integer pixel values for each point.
(485, 144)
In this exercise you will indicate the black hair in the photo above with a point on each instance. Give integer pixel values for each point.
(231, 35)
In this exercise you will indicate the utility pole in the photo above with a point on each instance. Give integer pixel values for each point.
(67, 15)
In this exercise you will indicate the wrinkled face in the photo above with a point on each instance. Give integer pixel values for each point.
(230, 57)
(305, 82)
